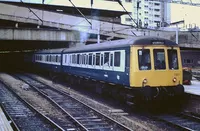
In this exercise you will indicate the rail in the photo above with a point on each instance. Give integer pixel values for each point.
(86, 116)
(182, 121)
(22, 113)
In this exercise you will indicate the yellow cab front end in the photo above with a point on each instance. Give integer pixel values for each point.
(155, 69)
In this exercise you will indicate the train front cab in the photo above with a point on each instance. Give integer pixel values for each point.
(156, 71)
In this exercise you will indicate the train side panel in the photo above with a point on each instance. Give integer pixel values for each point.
(48, 65)
(107, 74)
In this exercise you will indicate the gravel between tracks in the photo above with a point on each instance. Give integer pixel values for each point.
(130, 121)
(32, 97)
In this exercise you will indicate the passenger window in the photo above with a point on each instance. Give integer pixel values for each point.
(49, 58)
(98, 59)
(111, 59)
(90, 59)
(94, 60)
(83, 59)
(55, 58)
(117, 59)
(101, 59)
(75, 61)
(78, 57)
(106, 59)
(86, 59)
(59, 58)
(172, 59)
(65, 58)
(70, 59)
(159, 59)
(144, 59)
(52, 58)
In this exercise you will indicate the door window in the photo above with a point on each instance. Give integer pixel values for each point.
(144, 59)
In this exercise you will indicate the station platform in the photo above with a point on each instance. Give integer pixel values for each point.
(194, 88)
(4, 123)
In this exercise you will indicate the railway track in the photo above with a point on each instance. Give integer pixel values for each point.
(55, 114)
(22, 114)
(183, 121)
(87, 117)
(197, 77)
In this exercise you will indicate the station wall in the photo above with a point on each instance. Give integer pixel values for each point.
(190, 58)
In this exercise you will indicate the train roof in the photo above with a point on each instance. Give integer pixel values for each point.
(124, 43)
(51, 50)
(142, 41)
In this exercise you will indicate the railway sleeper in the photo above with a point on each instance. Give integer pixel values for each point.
(91, 120)
(79, 118)
(108, 128)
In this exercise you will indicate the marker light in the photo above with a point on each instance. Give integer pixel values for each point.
(174, 79)
(145, 81)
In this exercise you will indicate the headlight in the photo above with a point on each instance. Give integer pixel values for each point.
(174, 79)
(145, 81)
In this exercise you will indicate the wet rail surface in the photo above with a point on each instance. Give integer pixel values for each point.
(89, 118)
(183, 121)
(24, 116)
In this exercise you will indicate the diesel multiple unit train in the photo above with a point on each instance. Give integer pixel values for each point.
(145, 68)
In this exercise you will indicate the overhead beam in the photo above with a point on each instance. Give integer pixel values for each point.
(61, 21)
(37, 34)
